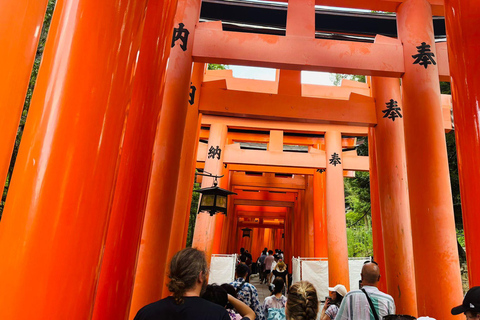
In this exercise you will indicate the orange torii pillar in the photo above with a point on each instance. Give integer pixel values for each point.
(461, 18)
(115, 285)
(56, 216)
(393, 195)
(152, 257)
(229, 227)
(186, 176)
(204, 234)
(319, 216)
(377, 235)
(431, 209)
(20, 29)
(221, 221)
(308, 229)
(336, 223)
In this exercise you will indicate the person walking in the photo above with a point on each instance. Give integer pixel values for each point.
(246, 292)
(369, 301)
(188, 278)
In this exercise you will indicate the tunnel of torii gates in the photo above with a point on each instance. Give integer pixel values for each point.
(100, 193)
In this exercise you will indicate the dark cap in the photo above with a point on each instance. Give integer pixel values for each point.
(471, 302)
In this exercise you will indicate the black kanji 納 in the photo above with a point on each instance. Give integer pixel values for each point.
(212, 152)
(392, 111)
(424, 56)
(193, 89)
(335, 159)
(180, 33)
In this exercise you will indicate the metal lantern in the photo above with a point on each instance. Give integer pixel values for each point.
(213, 199)
(246, 232)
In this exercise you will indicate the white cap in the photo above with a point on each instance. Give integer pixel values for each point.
(340, 289)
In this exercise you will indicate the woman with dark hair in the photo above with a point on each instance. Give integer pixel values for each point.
(274, 305)
(218, 295)
(302, 302)
(332, 303)
(188, 277)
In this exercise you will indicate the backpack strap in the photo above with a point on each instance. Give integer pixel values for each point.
(375, 315)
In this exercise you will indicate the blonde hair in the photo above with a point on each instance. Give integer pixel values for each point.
(281, 265)
(302, 302)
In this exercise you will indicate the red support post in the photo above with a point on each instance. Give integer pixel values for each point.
(55, 221)
(431, 209)
(152, 257)
(20, 29)
(463, 47)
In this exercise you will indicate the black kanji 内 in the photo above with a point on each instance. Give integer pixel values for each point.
(180, 33)
(392, 111)
(424, 56)
(335, 159)
(193, 89)
(212, 152)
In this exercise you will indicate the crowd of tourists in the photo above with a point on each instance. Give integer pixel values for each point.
(193, 299)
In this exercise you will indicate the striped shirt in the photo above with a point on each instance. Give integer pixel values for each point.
(355, 305)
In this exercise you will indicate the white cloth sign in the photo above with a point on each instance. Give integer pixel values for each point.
(222, 269)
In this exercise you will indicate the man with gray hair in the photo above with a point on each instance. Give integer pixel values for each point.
(369, 301)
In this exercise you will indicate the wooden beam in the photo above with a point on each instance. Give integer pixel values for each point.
(276, 210)
(264, 195)
(288, 126)
(257, 214)
(240, 179)
(357, 110)
(252, 225)
(297, 53)
(266, 203)
(376, 5)
(314, 159)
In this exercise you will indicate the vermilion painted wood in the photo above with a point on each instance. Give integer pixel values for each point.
(433, 225)
(377, 233)
(117, 276)
(20, 27)
(463, 49)
(186, 176)
(205, 224)
(319, 207)
(378, 5)
(152, 258)
(336, 223)
(55, 221)
(393, 197)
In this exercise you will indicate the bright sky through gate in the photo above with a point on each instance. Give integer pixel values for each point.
(257, 73)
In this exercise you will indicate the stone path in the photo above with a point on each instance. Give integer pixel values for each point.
(262, 289)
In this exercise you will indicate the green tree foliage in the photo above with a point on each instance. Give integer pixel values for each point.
(33, 78)
(336, 78)
(193, 214)
(212, 66)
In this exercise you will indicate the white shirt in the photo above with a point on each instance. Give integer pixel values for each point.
(355, 305)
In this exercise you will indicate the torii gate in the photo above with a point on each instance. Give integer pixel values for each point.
(71, 185)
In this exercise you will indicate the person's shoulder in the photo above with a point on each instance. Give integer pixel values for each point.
(206, 307)
(150, 311)
(353, 293)
(250, 286)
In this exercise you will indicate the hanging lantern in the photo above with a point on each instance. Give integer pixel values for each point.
(214, 199)
(246, 232)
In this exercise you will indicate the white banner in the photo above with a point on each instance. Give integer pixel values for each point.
(354, 270)
(295, 270)
(316, 272)
(222, 269)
